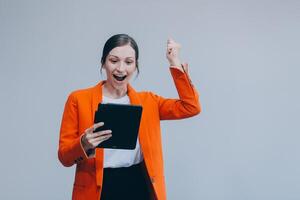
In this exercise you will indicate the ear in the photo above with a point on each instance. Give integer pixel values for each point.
(101, 68)
(136, 66)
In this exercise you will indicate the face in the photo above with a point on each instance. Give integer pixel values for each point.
(120, 65)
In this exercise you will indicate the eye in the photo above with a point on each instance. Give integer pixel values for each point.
(129, 62)
(113, 61)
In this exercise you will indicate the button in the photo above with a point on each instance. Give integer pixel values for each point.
(78, 159)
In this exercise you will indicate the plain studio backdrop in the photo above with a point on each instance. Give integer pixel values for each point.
(244, 61)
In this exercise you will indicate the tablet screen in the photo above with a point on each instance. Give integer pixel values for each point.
(124, 122)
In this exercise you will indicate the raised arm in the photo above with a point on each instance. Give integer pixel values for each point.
(188, 103)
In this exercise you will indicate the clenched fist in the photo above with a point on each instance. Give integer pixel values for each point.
(173, 52)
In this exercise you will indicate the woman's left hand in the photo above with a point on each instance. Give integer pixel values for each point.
(173, 53)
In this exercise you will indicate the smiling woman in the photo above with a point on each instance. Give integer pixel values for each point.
(111, 174)
(120, 64)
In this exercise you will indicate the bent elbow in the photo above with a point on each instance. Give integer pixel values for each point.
(198, 109)
(195, 108)
(191, 110)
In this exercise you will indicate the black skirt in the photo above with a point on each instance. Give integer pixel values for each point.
(126, 183)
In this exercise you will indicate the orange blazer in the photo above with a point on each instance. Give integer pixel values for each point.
(79, 113)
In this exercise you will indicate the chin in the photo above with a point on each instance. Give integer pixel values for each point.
(117, 85)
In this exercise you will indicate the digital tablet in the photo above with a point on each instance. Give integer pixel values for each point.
(124, 122)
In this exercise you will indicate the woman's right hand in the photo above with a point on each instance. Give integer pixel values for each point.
(91, 139)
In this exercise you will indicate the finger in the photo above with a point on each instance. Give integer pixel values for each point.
(95, 126)
(174, 45)
(171, 43)
(170, 39)
(89, 130)
(103, 138)
(106, 138)
(100, 138)
(98, 134)
(96, 142)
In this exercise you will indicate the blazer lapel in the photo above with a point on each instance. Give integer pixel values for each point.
(99, 153)
(133, 96)
(143, 131)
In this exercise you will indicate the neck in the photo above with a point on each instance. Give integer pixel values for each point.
(112, 92)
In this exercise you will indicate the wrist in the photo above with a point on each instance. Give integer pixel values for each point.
(175, 63)
(83, 143)
(177, 67)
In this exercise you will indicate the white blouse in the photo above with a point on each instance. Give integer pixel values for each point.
(114, 158)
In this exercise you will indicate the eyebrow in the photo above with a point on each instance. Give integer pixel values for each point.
(118, 57)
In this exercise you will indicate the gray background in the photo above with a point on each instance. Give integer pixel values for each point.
(244, 60)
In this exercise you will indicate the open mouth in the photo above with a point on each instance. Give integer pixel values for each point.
(119, 78)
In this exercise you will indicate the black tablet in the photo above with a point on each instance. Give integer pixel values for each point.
(124, 122)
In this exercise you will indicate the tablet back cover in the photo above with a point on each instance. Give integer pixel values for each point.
(123, 120)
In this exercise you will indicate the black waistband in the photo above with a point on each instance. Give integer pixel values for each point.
(129, 169)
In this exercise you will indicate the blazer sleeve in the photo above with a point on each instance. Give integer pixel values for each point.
(70, 149)
(188, 103)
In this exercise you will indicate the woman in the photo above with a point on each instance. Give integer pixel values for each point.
(122, 174)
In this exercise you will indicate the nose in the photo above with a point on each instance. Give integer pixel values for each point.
(121, 67)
